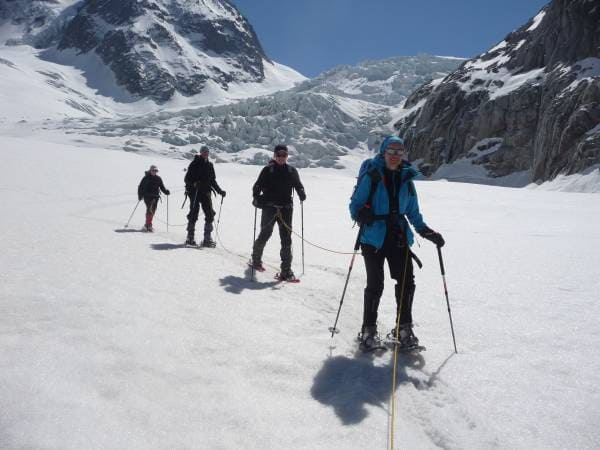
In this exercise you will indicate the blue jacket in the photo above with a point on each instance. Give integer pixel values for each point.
(408, 204)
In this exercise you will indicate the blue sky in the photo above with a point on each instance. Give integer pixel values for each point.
(315, 35)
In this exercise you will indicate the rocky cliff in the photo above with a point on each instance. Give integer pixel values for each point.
(531, 104)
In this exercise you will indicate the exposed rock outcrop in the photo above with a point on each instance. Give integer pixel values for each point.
(537, 93)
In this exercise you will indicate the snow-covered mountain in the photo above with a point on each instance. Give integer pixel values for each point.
(386, 82)
(323, 119)
(154, 49)
(526, 110)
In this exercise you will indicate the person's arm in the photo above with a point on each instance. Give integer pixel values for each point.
(298, 186)
(260, 182)
(360, 196)
(416, 219)
(142, 188)
(412, 209)
(162, 187)
(213, 182)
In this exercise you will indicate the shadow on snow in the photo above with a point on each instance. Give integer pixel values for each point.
(349, 384)
(129, 230)
(169, 246)
(236, 285)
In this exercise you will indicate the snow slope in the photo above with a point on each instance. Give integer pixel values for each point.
(112, 338)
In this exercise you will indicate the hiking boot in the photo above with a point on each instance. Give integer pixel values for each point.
(208, 243)
(190, 241)
(257, 265)
(148, 228)
(286, 276)
(407, 338)
(369, 338)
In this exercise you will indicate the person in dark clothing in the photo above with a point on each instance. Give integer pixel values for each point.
(387, 184)
(272, 193)
(200, 182)
(148, 190)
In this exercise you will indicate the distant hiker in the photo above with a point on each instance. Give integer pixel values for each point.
(148, 190)
(384, 198)
(272, 193)
(200, 182)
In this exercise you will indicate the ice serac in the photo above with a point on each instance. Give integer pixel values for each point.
(157, 48)
(531, 104)
(322, 119)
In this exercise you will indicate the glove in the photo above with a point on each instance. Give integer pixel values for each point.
(302, 196)
(365, 216)
(140, 198)
(258, 202)
(167, 192)
(223, 193)
(433, 236)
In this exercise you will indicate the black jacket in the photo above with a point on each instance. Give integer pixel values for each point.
(150, 185)
(201, 175)
(275, 183)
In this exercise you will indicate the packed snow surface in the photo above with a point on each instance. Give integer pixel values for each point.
(113, 338)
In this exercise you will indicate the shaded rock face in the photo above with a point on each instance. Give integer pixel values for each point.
(538, 92)
(155, 48)
(159, 47)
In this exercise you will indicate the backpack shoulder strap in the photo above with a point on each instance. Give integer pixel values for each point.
(375, 179)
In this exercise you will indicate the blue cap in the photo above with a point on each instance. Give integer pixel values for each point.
(389, 140)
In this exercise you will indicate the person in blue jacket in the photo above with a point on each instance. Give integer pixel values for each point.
(385, 235)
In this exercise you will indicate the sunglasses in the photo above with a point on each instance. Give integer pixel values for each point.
(154, 170)
(281, 154)
(394, 151)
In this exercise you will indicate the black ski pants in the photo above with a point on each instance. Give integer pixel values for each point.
(203, 199)
(399, 261)
(151, 204)
(267, 221)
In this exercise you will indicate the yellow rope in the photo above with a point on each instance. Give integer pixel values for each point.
(396, 351)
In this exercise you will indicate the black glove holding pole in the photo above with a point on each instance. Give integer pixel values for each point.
(433, 236)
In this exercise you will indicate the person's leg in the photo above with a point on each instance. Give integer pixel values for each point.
(267, 221)
(375, 277)
(401, 268)
(285, 236)
(193, 217)
(149, 201)
(209, 215)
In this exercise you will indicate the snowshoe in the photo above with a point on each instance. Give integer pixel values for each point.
(209, 243)
(257, 265)
(406, 342)
(287, 276)
(369, 340)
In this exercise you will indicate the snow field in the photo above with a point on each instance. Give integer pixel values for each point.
(113, 338)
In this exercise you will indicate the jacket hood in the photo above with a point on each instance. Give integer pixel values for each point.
(389, 140)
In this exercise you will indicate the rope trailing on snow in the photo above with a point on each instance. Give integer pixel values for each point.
(280, 217)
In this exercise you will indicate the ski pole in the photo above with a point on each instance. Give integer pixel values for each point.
(184, 199)
(133, 212)
(219, 216)
(254, 237)
(333, 329)
(167, 213)
(439, 250)
(302, 221)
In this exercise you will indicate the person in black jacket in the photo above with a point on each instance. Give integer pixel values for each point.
(148, 190)
(272, 193)
(200, 182)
